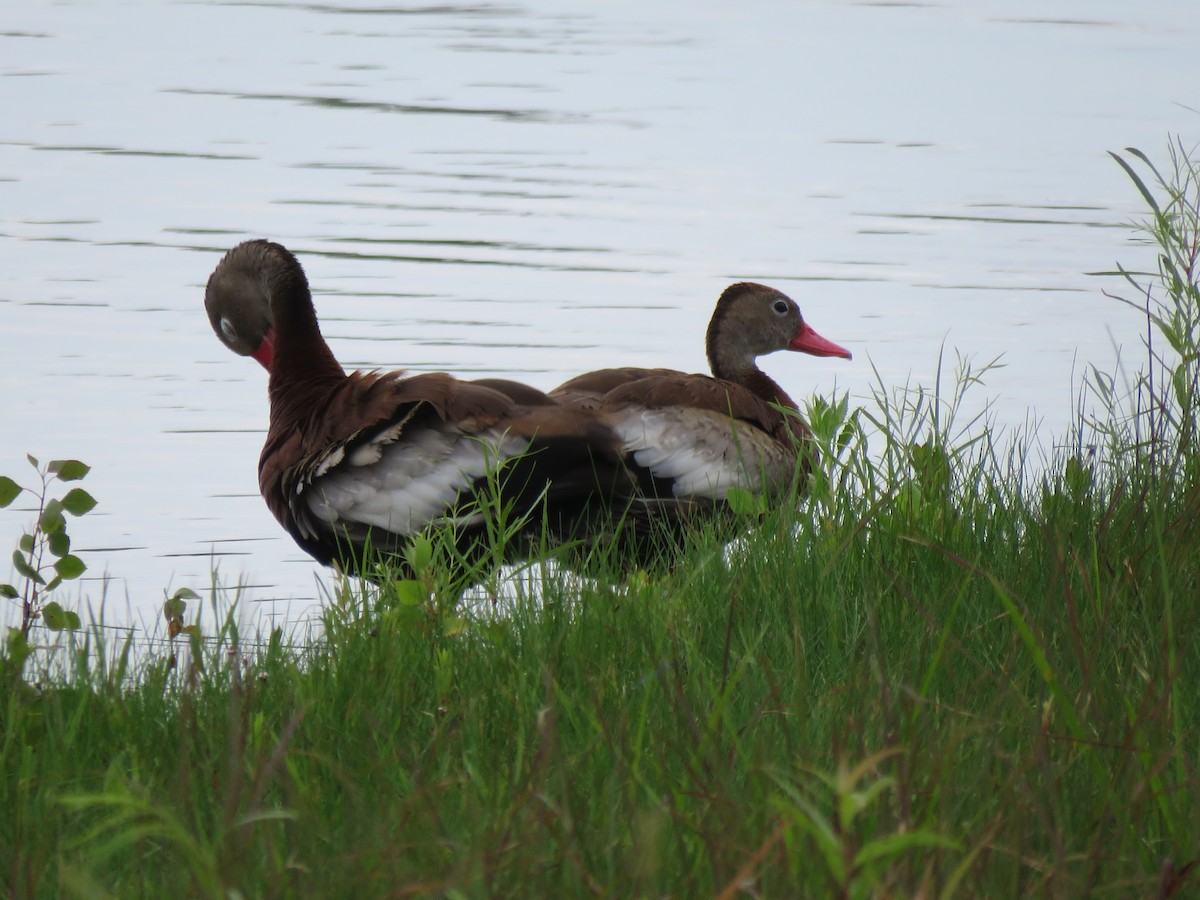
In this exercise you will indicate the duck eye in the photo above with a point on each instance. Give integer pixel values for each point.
(780, 307)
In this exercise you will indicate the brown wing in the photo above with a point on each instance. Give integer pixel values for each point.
(694, 436)
(591, 387)
(608, 389)
(515, 391)
(381, 456)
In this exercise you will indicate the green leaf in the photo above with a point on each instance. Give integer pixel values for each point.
(68, 469)
(1077, 476)
(52, 517)
(950, 885)
(26, 543)
(1103, 382)
(453, 625)
(78, 501)
(1136, 179)
(1182, 382)
(932, 468)
(54, 616)
(419, 554)
(70, 567)
(744, 503)
(17, 648)
(9, 490)
(851, 803)
(1040, 660)
(60, 543)
(803, 813)
(185, 594)
(32, 460)
(24, 569)
(8, 592)
(894, 844)
(410, 593)
(810, 820)
(267, 815)
(174, 608)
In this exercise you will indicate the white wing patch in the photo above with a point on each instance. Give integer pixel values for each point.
(703, 453)
(403, 487)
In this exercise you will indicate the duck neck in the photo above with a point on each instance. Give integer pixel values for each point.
(731, 364)
(764, 386)
(303, 365)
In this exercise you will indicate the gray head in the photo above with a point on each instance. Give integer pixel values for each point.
(237, 298)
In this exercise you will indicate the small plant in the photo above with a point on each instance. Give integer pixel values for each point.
(174, 608)
(43, 556)
(1162, 409)
(426, 601)
(828, 809)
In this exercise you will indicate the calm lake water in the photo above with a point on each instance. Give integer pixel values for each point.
(533, 190)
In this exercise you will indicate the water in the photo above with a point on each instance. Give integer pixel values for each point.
(533, 190)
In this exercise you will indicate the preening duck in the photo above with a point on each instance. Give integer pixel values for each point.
(691, 438)
(360, 459)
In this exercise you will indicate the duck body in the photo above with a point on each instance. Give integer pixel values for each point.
(406, 453)
(362, 460)
(691, 438)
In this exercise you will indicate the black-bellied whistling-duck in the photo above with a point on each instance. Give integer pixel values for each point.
(691, 438)
(373, 458)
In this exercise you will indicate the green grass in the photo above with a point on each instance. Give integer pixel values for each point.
(954, 670)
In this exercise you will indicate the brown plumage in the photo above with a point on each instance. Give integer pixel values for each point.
(691, 438)
(360, 459)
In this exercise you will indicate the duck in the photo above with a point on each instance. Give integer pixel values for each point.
(367, 460)
(690, 439)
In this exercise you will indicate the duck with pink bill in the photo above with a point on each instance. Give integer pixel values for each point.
(690, 439)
